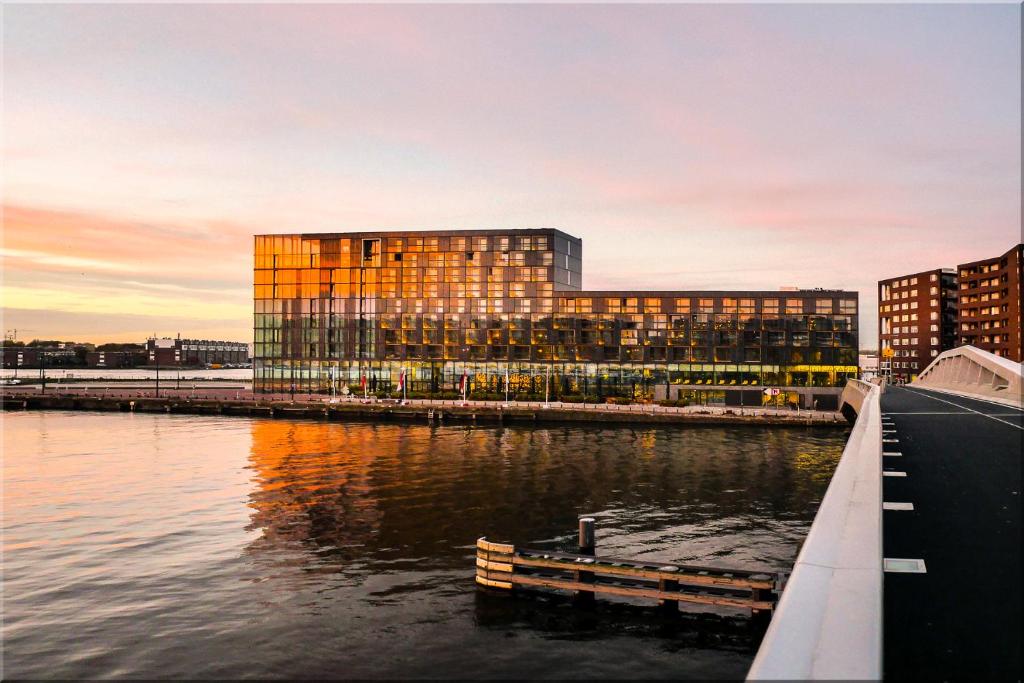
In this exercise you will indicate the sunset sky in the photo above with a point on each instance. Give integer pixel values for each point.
(690, 146)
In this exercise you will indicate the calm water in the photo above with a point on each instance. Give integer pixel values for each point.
(181, 546)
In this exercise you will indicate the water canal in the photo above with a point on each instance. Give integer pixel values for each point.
(181, 546)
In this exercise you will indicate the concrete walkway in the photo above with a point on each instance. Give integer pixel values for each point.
(962, 464)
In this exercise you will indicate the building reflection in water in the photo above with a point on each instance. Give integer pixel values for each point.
(362, 497)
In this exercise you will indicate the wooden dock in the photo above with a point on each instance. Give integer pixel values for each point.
(503, 566)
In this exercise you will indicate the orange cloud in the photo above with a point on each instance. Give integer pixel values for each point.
(52, 240)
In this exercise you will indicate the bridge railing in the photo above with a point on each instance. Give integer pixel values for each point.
(828, 623)
(969, 371)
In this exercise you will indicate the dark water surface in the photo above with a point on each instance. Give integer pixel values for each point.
(181, 546)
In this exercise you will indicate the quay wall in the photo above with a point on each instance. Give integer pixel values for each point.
(425, 412)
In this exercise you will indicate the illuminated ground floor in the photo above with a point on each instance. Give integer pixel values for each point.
(598, 381)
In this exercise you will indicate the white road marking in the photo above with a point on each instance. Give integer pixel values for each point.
(894, 474)
(897, 506)
(980, 400)
(919, 393)
(903, 565)
(893, 453)
(959, 412)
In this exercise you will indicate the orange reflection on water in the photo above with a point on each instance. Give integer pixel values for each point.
(313, 483)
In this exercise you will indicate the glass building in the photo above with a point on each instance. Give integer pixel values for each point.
(332, 309)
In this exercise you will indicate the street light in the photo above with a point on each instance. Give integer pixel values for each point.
(42, 373)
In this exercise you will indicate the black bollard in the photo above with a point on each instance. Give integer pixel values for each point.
(587, 546)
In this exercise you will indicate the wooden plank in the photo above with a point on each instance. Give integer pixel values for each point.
(650, 593)
(490, 583)
(496, 566)
(483, 544)
(600, 567)
(493, 575)
(688, 568)
(496, 557)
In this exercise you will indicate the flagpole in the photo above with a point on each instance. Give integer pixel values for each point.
(506, 387)
(547, 382)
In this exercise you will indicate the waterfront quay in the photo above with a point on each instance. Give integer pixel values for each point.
(228, 401)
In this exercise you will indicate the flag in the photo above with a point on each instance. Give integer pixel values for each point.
(401, 380)
(362, 382)
(462, 382)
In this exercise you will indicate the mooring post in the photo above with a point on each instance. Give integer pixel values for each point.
(587, 546)
(670, 607)
(587, 541)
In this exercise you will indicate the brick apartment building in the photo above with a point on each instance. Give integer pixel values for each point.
(916, 319)
(115, 359)
(989, 293)
(60, 356)
(191, 352)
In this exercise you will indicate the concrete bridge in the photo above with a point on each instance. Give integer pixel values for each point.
(911, 568)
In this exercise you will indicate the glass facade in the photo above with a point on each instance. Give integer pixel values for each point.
(335, 308)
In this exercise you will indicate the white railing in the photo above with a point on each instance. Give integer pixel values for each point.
(969, 371)
(828, 623)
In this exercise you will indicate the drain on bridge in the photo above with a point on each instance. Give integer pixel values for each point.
(503, 566)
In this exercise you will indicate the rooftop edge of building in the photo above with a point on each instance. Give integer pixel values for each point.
(931, 271)
(1019, 247)
(708, 292)
(424, 233)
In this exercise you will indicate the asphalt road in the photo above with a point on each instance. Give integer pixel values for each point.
(962, 459)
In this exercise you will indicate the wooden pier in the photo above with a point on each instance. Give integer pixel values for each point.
(503, 566)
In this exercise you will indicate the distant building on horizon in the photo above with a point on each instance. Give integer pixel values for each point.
(115, 359)
(190, 352)
(916, 320)
(64, 354)
(430, 308)
(989, 315)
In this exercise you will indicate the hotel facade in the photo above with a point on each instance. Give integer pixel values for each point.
(333, 309)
